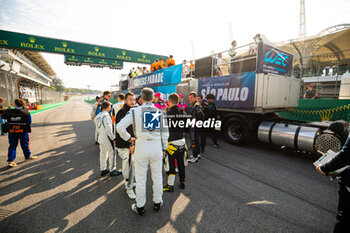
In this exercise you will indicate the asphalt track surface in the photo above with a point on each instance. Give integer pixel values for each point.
(257, 188)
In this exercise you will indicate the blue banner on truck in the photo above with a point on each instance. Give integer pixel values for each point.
(171, 75)
(230, 91)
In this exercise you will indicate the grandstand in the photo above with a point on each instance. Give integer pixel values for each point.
(26, 75)
(323, 60)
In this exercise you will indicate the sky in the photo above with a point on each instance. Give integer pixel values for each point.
(161, 27)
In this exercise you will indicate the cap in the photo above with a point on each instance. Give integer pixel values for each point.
(160, 95)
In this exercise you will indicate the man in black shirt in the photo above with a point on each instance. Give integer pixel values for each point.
(125, 148)
(197, 114)
(177, 149)
(213, 114)
(203, 132)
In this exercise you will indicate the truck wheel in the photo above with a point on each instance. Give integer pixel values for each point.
(236, 131)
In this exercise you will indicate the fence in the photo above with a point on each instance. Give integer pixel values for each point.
(93, 100)
(49, 96)
(325, 73)
(235, 60)
(319, 110)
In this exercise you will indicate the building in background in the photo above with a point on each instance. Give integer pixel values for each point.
(323, 61)
(26, 75)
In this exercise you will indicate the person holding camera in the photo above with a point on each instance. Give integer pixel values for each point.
(342, 159)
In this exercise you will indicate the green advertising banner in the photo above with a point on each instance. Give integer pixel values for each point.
(92, 60)
(44, 44)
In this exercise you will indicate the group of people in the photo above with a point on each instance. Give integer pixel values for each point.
(187, 70)
(158, 64)
(218, 59)
(134, 130)
(138, 71)
(202, 109)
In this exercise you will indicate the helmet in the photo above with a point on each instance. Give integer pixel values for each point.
(180, 95)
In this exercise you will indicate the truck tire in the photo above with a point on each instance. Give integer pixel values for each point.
(236, 131)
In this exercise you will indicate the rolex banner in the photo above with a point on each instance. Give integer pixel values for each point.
(73, 59)
(17, 40)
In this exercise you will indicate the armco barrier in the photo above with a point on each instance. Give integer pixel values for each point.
(48, 106)
(113, 101)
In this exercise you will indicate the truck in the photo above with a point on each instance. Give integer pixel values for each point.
(251, 84)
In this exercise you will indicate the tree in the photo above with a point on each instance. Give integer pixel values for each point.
(57, 84)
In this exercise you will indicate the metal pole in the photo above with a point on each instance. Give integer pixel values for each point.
(318, 71)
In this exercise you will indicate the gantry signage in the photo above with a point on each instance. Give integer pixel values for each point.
(44, 44)
(74, 59)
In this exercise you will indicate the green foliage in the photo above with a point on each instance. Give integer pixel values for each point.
(57, 84)
(82, 91)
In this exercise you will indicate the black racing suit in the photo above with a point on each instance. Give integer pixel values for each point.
(203, 132)
(120, 143)
(197, 114)
(212, 114)
(176, 151)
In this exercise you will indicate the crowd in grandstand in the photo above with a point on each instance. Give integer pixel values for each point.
(158, 64)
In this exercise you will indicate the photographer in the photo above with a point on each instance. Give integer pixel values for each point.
(341, 160)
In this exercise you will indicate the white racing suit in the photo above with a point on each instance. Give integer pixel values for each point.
(105, 139)
(151, 141)
(93, 116)
(128, 165)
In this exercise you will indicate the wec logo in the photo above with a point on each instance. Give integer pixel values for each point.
(278, 59)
